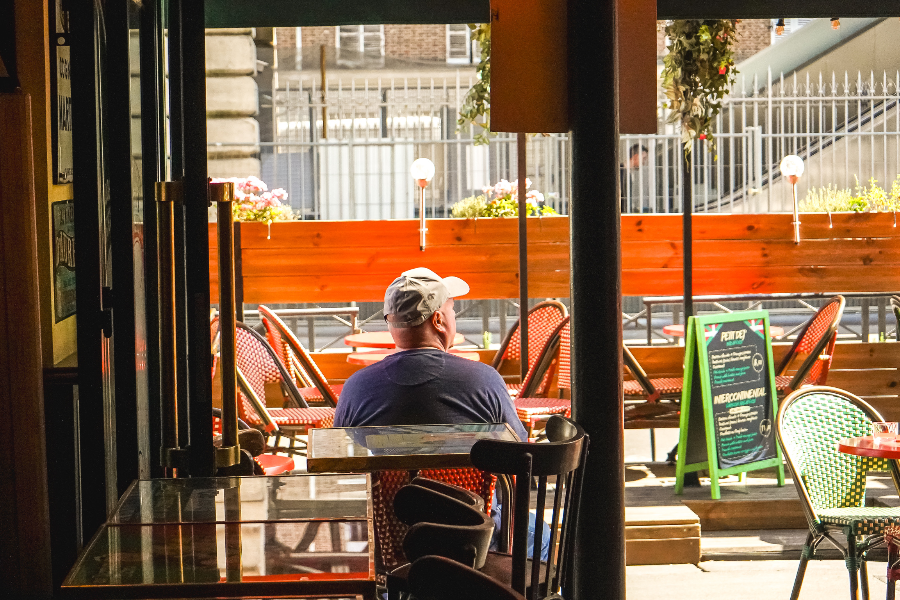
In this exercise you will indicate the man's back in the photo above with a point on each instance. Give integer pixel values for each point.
(425, 386)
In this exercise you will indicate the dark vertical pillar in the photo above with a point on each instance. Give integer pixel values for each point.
(597, 297)
(121, 232)
(152, 148)
(87, 194)
(687, 245)
(196, 246)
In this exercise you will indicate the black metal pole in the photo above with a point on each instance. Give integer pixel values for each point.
(196, 203)
(688, 236)
(597, 297)
(521, 159)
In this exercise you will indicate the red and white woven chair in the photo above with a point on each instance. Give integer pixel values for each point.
(313, 387)
(816, 341)
(543, 320)
(271, 464)
(534, 410)
(257, 365)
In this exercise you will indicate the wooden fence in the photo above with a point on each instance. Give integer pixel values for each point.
(342, 261)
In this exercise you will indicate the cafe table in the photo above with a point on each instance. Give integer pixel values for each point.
(398, 447)
(373, 356)
(233, 537)
(382, 339)
(870, 446)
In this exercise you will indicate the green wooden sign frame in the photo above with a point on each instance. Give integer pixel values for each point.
(700, 431)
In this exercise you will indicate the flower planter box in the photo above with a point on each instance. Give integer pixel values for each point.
(343, 261)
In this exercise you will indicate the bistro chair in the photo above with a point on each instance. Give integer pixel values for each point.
(297, 359)
(533, 411)
(895, 306)
(257, 365)
(563, 459)
(439, 578)
(832, 485)
(661, 396)
(390, 531)
(817, 341)
(269, 464)
(439, 524)
(543, 319)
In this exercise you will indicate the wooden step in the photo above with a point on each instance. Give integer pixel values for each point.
(661, 535)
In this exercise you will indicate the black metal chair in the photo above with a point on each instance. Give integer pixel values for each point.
(439, 578)
(562, 458)
(443, 520)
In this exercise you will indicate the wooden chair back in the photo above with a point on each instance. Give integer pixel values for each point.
(563, 457)
(439, 578)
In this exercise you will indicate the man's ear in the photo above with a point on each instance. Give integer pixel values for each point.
(437, 319)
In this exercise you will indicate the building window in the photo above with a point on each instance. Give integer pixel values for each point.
(459, 45)
(790, 26)
(359, 45)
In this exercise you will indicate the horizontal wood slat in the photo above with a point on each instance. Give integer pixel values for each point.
(342, 261)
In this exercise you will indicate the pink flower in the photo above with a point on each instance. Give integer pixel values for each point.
(503, 188)
(534, 197)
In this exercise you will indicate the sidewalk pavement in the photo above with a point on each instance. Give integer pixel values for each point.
(747, 580)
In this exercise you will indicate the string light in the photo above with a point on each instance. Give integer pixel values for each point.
(779, 27)
(835, 23)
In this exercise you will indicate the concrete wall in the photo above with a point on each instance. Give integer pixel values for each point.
(232, 102)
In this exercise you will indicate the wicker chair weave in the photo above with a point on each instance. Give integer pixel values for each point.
(820, 325)
(811, 427)
(861, 521)
(258, 367)
(310, 375)
(542, 322)
(528, 408)
(312, 395)
(389, 531)
(564, 366)
(318, 417)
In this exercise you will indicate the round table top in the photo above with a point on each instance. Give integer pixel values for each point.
(884, 447)
(368, 358)
(381, 339)
(677, 330)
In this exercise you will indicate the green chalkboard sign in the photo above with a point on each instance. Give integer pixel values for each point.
(728, 401)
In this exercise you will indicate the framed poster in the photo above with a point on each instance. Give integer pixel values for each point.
(728, 401)
(63, 215)
(61, 93)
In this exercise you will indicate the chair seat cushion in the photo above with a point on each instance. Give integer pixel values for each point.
(664, 385)
(861, 520)
(498, 566)
(312, 395)
(311, 417)
(529, 408)
(274, 464)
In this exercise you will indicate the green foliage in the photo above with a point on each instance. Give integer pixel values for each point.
(697, 74)
(502, 200)
(476, 108)
(865, 199)
(469, 208)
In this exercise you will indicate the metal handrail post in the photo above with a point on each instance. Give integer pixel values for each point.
(222, 194)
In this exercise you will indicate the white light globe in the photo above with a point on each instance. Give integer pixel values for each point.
(791, 166)
(422, 169)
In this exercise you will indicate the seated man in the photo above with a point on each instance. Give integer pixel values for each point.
(423, 383)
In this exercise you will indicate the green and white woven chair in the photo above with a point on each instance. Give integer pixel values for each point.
(832, 485)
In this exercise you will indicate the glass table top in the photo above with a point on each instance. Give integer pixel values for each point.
(213, 559)
(243, 499)
(347, 449)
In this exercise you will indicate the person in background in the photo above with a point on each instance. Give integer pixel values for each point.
(422, 383)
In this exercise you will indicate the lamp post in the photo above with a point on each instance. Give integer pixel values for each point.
(792, 168)
(422, 170)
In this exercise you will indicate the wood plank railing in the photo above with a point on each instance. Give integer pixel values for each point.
(342, 261)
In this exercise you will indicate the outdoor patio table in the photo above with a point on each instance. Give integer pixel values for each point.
(886, 447)
(372, 357)
(677, 330)
(398, 447)
(233, 537)
(382, 339)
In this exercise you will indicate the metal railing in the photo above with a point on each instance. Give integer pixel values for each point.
(843, 126)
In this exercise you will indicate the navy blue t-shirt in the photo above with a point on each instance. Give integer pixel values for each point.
(426, 386)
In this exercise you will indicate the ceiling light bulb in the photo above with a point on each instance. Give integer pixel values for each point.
(779, 27)
(835, 23)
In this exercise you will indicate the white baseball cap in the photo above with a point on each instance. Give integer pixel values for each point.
(419, 293)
